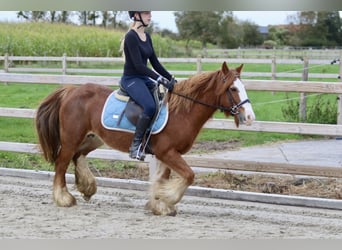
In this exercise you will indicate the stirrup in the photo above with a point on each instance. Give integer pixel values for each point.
(140, 155)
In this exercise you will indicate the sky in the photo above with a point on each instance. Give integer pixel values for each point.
(166, 19)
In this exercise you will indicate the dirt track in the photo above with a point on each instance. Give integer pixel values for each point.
(27, 212)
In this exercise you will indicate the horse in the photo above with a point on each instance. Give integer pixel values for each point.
(68, 128)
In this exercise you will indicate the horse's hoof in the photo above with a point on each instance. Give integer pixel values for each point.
(157, 207)
(63, 198)
(86, 197)
(70, 203)
(172, 213)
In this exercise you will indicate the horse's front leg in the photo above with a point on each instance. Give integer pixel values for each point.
(166, 192)
(84, 178)
(156, 205)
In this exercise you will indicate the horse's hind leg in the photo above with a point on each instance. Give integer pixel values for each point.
(61, 195)
(84, 179)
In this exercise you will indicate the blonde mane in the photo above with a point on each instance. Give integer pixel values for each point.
(197, 84)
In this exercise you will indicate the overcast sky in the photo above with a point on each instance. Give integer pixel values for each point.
(166, 19)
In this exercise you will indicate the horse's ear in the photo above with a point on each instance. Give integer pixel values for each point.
(238, 69)
(225, 68)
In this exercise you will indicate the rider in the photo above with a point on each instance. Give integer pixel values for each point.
(137, 78)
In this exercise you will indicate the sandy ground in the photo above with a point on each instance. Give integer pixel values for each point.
(27, 212)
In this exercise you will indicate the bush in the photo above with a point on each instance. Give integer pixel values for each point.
(321, 111)
(269, 44)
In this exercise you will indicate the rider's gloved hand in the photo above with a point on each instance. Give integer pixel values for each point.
(166, 83)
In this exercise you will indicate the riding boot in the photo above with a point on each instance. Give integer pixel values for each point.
(142, 125)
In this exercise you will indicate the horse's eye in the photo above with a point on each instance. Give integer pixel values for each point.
(234, 89)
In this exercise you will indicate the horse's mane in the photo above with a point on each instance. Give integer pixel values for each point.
(197, 84)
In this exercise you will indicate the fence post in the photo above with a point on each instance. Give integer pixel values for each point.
(339, 99)
(199, 64)
(152, 167)
(64, 64)
(238, 53)
(302, 103)
(6, 65)
(274, 69)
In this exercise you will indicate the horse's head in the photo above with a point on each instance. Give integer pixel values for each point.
(233, 95)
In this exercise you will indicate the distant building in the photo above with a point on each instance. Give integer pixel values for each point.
(263, 30)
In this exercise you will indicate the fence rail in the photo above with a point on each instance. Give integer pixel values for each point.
(286, 53)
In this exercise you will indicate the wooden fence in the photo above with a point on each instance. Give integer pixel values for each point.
(224, 124)
(285, 53)
(12, 65)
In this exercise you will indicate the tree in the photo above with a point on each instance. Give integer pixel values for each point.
(64, 16)
(251, 34)
(317, 28)
(59, 16)
(231, 33)
(280, 35)
(329, 24)
(32, 15)
(88, 17)
(106, 15)
(93, 16)
(199, 25)
(114, 15)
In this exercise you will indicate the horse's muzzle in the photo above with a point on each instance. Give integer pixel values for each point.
(246, 117)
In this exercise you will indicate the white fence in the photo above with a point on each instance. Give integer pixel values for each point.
(285, 53)
(12, 65)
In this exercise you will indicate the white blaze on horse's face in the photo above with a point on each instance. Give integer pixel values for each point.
(249, 115)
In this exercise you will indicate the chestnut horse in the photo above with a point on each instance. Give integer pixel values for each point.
(68, 124)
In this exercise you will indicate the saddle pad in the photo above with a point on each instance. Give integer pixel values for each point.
(113, 108)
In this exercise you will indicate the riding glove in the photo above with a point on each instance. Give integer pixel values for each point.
(166, 83)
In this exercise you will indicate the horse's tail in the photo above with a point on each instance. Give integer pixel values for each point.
(47, 124)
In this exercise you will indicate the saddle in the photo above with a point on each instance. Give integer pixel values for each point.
(133, 110)
(121, 113)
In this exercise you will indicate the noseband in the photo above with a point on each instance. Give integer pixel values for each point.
(234, 110)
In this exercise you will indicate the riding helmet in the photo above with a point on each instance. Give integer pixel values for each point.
(132, 12)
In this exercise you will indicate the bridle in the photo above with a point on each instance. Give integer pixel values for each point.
(234, 110)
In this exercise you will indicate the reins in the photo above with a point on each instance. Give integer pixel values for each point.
(233, 110)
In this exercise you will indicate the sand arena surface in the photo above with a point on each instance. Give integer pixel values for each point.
(27, 212)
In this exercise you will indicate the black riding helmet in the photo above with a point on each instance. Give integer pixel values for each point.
(131, 16)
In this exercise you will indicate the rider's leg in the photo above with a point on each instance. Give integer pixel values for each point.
(138, 89)
(142, 125)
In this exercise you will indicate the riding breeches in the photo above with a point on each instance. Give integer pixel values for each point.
(139, 89)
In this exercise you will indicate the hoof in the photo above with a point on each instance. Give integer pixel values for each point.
(70, 202)
(63, 198)
(86, 197)
(172, 213)
(158, 207)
